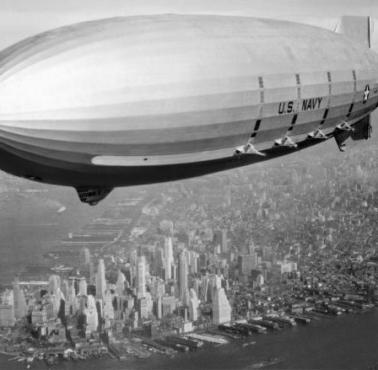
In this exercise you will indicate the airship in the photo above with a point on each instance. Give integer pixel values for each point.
(147, 99)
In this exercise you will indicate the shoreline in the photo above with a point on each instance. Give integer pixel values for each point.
(261, 350)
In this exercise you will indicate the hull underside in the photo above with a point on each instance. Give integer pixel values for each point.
(68, 174)
(28, 159)
(84, 175)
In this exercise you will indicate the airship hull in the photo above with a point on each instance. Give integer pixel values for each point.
(136, 100)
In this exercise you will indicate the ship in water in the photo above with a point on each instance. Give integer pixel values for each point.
(265, 363)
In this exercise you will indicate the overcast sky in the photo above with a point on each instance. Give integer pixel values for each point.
(23, 18)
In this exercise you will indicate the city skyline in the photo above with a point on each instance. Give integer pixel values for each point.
(227, 281)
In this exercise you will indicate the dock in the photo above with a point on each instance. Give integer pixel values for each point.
(210, 338)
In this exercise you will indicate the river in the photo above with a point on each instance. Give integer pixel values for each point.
(345, 342)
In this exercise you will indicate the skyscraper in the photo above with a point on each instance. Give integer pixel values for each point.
(7, 317)
(159, 308)
(54, 284)
(133, 257)
(247, 262)
(166, 226)
(193, 262)
(143, 308)
(55, 293)
(83, 286)
(141, 277)
(120, 284)
(204, 287)
(221, 307)
(71, 301)
(20, 307)
(224, 241)
(108, 313)
(183, 276)
(100, 279)
(85, 256)
(193, 305)
(168, 257)
(92, 274)
(91, 314)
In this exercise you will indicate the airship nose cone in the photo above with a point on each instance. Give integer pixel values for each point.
(57, 80)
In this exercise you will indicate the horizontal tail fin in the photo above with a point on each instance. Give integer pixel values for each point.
(357, 29)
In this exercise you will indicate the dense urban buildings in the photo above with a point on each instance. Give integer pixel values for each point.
(210, 259)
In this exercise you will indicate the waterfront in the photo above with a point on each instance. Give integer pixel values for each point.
(153, 267)
(346, 342)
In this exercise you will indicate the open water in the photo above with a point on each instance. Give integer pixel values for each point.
(346, 342)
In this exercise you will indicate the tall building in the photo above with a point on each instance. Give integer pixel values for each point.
(133, 257)
(287, 266)
(82, 303)
(55, 293)
(248, 262)
(108, 310)
(157, 287)
(91, 314)
(193, 305)
(83, 286)
(183, 276)
(203, 261)
(204, 288)
(143, 308)
(214, 283)
(85, 256)
(174, 271)
(7, 317)
(267, 253)
(141, 277)
(100, 279)
(193, 262)
(92, 274)
(169, 304)
(54, 284)
(65, 288)
(221, 307)
(224, 241)
(251, 248)
(168, 257)
(158, 263)
(150, 302)
(196, 285)
(120, 284)
(39, 316)
(159, 308)
(20, 308)
(71, 302)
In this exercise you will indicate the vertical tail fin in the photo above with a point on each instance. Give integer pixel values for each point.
(357, 28)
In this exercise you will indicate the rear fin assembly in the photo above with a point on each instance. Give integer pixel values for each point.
(357, 29)
(361, 130)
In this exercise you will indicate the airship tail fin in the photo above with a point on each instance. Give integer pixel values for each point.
(356, 28)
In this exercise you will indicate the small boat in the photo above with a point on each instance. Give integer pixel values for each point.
(265, 363)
